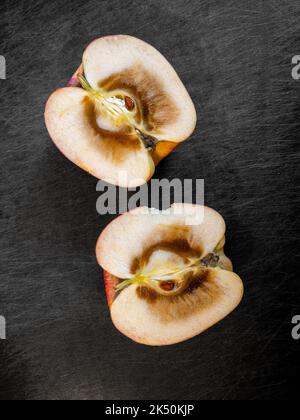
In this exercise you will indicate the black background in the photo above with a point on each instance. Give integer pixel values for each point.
(235, 59)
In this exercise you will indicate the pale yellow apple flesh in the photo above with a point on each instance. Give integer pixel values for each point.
(167, 279)
(128, 110)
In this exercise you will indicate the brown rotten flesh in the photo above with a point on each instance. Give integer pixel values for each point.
(124, 110)
(167, 278)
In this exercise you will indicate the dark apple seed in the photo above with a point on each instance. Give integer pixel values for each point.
(167, 286)
(129, 103)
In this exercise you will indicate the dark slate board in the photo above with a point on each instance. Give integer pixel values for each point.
(235, 59)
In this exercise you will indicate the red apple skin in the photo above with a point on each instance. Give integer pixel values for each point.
(110, 286)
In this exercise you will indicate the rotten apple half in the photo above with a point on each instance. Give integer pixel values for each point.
(167, 279)
(123, 111)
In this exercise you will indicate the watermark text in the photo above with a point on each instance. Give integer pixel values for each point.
(158, 194)
(296, 68)
(2, 67)
(296, 329)
(2, 328)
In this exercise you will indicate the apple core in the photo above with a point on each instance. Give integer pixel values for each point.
(170, 273)
(118, 112)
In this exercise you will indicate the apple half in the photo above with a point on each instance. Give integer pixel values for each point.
(167, 279)
(123, 111)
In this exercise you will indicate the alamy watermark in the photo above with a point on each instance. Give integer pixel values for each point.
(2, 328)
(2, 67)
(296, 68)
(157, 195)
(296, 329)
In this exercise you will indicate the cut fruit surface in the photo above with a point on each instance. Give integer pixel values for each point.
(167, 280)
(158, 321)
(115, 159)
(123, 111)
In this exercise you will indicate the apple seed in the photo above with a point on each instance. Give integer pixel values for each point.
(167, 286)
(129, 103)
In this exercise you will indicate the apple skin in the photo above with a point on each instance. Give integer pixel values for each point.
(163, 149)
(110, 286)
(74, 81)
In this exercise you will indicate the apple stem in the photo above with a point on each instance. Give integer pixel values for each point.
(85, 84)
(124, 284)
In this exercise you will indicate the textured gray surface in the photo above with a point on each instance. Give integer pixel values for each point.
(235, 59)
